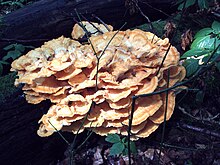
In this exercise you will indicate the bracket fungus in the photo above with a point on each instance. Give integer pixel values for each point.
(66, 72)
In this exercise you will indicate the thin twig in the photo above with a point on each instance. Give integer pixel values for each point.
(213, 53)
(91, 132)
(181, 148)
(106, 26)
(210, 120)
(98, 30)
(147, 18)
(174, 33)
(155, 8)
(164, 58)
(149, 94)
(200, 71)
(22, 41)
(86, 31)
(199, 129)
(59, 133)
(175, 86)
(81, 125)
(165, 116)
(98, 58)
(129, 129)
(156, 145)
(72, 151)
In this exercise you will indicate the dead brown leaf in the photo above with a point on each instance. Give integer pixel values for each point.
(186, 39)
(169, 29)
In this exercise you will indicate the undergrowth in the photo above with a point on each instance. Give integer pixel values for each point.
(7, 88)
(7, 6)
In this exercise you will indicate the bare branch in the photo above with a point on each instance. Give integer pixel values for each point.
(106, 26)
(165, 115)
(59, 134)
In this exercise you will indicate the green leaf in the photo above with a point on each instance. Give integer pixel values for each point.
(217, 42)
(20, 47)
(216, 27)
(214, 57)
(179, 1)
(203, 32)
(113, 138)
(203, 42)
(6, 3)
(19, 4)
(4, 62)
(132, 147)
(123, 140)
(188, 162)
(30, 47)
(205, 59)
(117, 148)
(195, 52)
(9, 47)
(125, 152)
(188, 3)
(200, 96)
(12, 54)
(191, 66)
(203, 4)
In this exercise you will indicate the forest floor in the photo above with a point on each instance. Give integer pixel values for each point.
(192, 137)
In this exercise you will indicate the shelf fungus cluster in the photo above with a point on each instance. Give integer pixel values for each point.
(91, 85)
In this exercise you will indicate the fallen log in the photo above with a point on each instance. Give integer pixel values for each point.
(34, 24)
(20, 143)
(47, 19)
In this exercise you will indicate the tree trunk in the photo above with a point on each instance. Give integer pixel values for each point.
(20, 143)
(47, 19)
(34, 24)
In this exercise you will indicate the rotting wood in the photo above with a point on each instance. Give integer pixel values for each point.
(47, 19)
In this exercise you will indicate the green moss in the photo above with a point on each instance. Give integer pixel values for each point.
(7, 88)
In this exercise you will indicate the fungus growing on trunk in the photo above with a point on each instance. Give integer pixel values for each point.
(65, 72)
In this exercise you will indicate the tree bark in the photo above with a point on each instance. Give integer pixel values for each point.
(34, 24)
(20, 143)
(47, 19)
